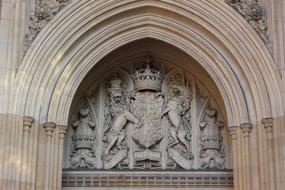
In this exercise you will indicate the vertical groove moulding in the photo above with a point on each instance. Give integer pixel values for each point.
(268, 125)
(28, 122)
(62, 131)
(233, 133)
(49, 128)
(246, 128)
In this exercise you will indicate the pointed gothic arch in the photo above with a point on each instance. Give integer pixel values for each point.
(223, 43)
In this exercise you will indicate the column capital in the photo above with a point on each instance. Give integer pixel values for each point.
(233, 131)
(268, 124)
(246, 128)
(62, 129)
(28, 123)
(49, 128)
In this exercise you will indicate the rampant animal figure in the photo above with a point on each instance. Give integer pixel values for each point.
(175, 109)
(119, 115)
(119, 122)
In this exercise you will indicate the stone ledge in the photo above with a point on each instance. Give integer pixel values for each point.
(215, 179)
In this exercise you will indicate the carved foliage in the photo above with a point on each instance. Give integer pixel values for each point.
(45, 10)
(254, 14)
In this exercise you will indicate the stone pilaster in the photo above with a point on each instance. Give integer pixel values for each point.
(49, 128)
(268, 125)
(25, 171)
(62, 131)
(233, 132)
(246, 129)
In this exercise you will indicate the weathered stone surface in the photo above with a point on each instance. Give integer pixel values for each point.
(75, 48)
(147, 114)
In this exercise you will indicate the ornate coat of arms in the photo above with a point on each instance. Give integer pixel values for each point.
(146, 123)
(146, 104)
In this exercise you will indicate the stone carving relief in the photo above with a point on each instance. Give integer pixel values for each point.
(44, 11)
(177, 110)
(212, 150)
(145, 119)
(83, 141)
(117, 116)
(254, 14)
(147, 104)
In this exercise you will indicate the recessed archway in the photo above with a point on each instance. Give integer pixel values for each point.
(228, 49)
(204, 151)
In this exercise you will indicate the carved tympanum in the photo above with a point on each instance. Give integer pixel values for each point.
(144, 121)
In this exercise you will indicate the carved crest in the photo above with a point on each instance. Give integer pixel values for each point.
(145, 121)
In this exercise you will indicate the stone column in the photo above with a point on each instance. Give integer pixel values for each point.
(62, 131)
(233, 131)
(268, 125)
(25, 173)
(246, 128)
(49, 128)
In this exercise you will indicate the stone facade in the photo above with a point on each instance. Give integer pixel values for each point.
(142, 94)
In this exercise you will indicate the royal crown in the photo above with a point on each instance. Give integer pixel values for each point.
(116, 89)
(147, 79)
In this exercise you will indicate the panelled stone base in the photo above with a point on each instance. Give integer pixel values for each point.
(147, 179)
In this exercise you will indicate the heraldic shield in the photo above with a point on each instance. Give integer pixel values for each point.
(147, 106)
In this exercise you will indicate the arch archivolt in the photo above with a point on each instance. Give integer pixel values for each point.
(235, 55)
